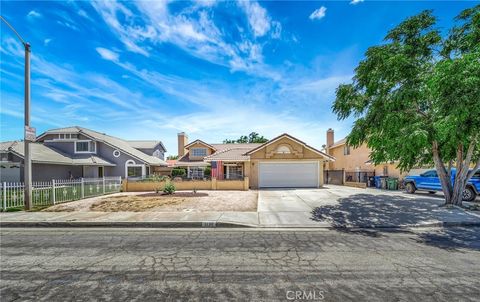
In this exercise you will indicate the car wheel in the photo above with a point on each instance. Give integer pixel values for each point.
(410, 188)
(432, 192)
(468, 194)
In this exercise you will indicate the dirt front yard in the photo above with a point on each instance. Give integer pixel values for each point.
(182, 201)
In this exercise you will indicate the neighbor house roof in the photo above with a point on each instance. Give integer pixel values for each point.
(199, 141)
(339, 143)
(273, 140)
(146, 144)
(231, 154)
(42, 154)
(115, 142)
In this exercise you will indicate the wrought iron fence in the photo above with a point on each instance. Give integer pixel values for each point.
(358, 176)
(56, 191)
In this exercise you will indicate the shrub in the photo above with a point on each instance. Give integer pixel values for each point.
(169, 188)
(178, 172)
(207, 172)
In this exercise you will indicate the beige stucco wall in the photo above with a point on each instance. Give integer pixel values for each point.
(131, 186)
(352, 162)
(357, 159)
(267, 154)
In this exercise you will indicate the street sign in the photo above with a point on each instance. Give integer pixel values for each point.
(30, 134)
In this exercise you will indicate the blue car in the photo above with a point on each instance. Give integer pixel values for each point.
(429, 181)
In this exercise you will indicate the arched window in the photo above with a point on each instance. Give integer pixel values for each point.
(283, 150)
(134, 170)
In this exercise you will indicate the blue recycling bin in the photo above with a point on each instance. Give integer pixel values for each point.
(378, 183)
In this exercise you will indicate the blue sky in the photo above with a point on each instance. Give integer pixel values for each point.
(216, 70)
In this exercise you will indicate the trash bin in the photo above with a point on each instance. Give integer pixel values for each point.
(371, 182)
(383, 182)
(392, 183)
(378, 184)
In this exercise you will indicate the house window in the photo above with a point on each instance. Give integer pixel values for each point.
(200, 152)
(346, 150)
(66, 136)
(196, 172)
(385, 170)
(85, 147)
(134, 171)
(234, 172)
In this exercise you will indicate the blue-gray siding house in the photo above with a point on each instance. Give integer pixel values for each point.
(75, 152)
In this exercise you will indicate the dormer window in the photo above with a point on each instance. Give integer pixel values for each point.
(283, 150)
(85, 147)
(199, 152)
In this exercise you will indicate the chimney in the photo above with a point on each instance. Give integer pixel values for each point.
(330, 137)
(182, 142)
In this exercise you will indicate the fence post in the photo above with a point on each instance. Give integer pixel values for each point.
(4, 197)
(82, 188)
(53, 191)
(103, 184)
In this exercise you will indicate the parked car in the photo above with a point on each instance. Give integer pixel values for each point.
(429, 181)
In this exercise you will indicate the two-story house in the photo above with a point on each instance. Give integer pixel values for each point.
(355, 162)
(75, 152)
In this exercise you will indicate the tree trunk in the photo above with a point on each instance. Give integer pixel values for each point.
(454, 194)
(443, 175)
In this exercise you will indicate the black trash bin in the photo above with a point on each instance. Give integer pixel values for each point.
(371, 181)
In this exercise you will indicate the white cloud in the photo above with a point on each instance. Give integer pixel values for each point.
(257, 16)
(318, 13)
(34, 14)
(356, 1)
(47, 41)
(141, 25)
(107, 54)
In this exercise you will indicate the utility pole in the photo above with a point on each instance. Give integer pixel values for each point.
(29, 134)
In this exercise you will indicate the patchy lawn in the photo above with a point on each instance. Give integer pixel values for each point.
(202, 201)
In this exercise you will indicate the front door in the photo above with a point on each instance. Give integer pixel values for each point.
(100, 172)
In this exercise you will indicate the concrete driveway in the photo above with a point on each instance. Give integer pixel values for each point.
(341, 206)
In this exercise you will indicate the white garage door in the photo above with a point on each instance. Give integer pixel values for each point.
(285, 175)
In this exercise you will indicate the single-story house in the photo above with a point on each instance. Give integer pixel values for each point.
(283, 161)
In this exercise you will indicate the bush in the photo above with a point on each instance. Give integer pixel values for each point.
(207, 172)
(169, 188)
(178, 172)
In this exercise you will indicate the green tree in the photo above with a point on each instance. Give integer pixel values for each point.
(416, 99)
(253, 137)
(172, 157)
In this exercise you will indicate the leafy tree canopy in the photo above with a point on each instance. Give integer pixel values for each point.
(253, 137)
(416, 97)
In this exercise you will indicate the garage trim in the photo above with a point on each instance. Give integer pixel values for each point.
(283, 162)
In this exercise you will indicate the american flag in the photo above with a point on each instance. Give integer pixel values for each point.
(217, 169)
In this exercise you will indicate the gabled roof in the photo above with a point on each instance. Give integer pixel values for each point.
(339, 143)
(232, 154)
(199, 141)
(42, 154)
(114, 142)
(329, 157)
(146, 144)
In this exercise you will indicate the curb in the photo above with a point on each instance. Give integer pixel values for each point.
(212, 224)
(121, 224)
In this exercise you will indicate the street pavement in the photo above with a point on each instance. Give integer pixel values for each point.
(114, 264)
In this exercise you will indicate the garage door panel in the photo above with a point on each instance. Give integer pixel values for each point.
(292, 174)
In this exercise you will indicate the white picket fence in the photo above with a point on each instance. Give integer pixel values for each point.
(58, 191)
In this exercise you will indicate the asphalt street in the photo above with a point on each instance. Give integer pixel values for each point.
(239, 265)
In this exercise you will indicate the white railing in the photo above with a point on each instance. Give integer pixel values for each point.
(56, 191)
